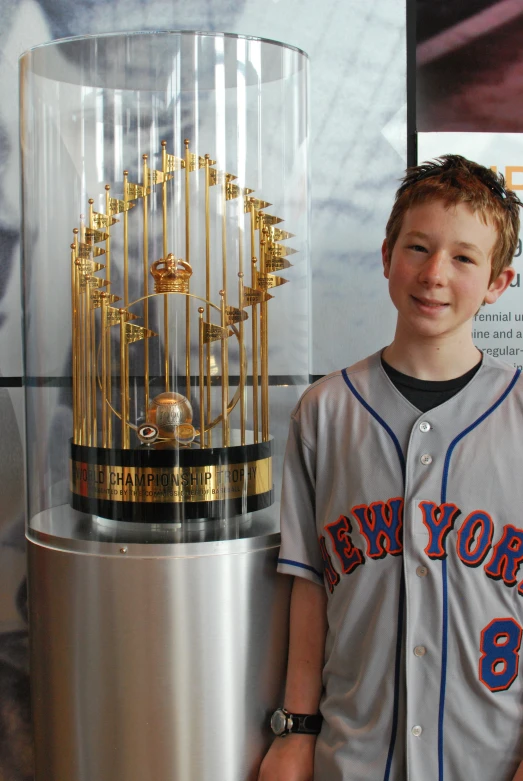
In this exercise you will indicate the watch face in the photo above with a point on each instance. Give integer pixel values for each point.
(278, 722)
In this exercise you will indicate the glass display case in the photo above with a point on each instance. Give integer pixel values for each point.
(166, 324)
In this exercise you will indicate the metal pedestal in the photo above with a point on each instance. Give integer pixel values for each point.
(155, 659)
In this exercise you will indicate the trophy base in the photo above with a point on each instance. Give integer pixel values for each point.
(149, 485)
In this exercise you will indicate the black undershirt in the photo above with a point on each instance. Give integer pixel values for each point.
(427, 394)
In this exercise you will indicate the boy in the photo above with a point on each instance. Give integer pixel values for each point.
(403, 495)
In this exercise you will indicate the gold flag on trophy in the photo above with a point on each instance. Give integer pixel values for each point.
(96, 298)
(234, 315)
(276, 250)
(249, 202)
(86, 251)
(267, 281)
(277, 264)
(215, 176)
(211, 333)
(88, 266)
(103, 220)
(86, 280)
(277, 234)
(252, 296)
(134, 333)
(134, 191)
(262, 218)
(117, 207)
(173, 163)
(93, 236)
(113, 317)
(157, 177)
(234, 191)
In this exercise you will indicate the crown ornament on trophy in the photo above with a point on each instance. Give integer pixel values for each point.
(150, 440)
(171, 275)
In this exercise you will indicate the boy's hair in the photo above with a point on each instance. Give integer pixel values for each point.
(454, 179)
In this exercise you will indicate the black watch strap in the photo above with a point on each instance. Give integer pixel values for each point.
(306, 723)
(284, 723)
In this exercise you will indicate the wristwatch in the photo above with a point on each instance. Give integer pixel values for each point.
(283, 723)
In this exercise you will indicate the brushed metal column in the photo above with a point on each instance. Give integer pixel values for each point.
(154, 662)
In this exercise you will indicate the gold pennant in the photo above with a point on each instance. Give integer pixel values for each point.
(86, 251)
(216, 177)
(196, 162)
(134, 333)
(88, 280)
(252, 296)
(157, 177)
(277, 234)
(256, 203)
(134, 191)
(262, 218)
(93, 236)
(276, 264)
(113, 316)
(234, 191)
(117, 207)
(276, 250)
(211, 332)
(173, 163)
(96, 298)
(234, 315)
(89, 266)
(103, 220)
(267, 281)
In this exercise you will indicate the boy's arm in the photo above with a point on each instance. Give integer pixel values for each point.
(519, 773)
(292, 758)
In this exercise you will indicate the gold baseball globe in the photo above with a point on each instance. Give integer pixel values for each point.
(168, 411)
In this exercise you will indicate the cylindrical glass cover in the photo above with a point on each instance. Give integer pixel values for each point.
(165, 245)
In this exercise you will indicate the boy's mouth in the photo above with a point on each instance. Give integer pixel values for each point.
(430, 303)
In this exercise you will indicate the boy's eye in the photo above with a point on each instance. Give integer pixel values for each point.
(418, 248)
(464, 259)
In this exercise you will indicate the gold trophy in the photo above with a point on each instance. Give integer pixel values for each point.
(153, 443)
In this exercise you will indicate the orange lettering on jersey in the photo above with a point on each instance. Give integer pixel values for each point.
(475, 538)
(349, 556)
(439, 520)
(507, 556)
(382, 526)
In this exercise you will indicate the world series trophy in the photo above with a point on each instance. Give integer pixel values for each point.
(156, 465)
(165, 194)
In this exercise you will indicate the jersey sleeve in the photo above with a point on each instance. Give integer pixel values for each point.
(299, 553)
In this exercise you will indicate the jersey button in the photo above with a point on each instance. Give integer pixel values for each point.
(416, 731)
(421, 571)
(424, 426)
(420, 650)
(426, 459)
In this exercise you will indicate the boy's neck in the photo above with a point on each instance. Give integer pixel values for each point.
(427, 360)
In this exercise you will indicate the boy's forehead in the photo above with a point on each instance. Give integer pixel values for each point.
(452, 218)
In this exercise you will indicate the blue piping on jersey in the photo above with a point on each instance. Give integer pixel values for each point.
(303, 566)
(401, 600)
(444, 484)
(380, 420)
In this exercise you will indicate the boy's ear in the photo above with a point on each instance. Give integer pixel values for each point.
(385, 258)
(499, 285)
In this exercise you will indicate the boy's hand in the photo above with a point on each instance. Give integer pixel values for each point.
(289, 759)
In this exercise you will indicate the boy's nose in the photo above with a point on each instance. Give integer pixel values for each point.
(434, 269)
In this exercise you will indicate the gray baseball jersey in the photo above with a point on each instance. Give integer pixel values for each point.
(414, 523)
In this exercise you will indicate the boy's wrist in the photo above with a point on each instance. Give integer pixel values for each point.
(285, 722)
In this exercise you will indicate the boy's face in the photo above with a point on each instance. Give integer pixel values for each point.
(440, 269)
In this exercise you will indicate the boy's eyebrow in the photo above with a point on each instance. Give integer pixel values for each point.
(421, 235)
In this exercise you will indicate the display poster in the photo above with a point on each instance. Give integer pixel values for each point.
(498, 328)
